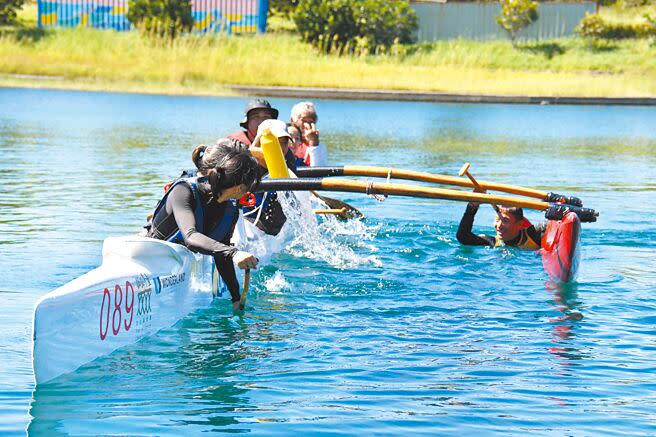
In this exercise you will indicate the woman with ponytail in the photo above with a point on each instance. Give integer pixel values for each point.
(201, 212)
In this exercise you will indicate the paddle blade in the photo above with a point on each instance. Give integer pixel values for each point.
(349, 212)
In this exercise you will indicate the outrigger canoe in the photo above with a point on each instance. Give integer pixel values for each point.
(144, 285)
(560, 246)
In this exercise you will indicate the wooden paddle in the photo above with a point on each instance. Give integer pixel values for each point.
(464, 170)
(244, 292)
(342, 209)
(339, 212)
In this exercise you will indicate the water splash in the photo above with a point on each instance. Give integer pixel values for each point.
(277, 283)
(330, 240)
(249, 238)
(338, 243)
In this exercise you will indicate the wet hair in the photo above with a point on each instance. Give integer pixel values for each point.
(226, 165)
(515, 211)
(302, 107)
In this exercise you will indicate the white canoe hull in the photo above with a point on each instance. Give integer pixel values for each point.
(142, 286)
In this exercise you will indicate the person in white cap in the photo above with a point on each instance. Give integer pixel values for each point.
(277, 128)
(267, 213)
(308, 150)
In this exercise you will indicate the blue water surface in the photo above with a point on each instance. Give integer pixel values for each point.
(387, 326)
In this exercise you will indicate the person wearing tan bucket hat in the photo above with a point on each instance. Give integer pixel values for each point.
(255, 112)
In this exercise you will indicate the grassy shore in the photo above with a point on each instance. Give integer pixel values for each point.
(107, 60)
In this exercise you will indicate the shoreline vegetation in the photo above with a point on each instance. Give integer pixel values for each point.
(103, 60)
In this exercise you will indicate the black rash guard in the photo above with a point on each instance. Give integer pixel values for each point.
(467, 237)
(179, 214)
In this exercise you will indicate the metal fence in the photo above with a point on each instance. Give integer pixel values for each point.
(231, 16)
(478, 20)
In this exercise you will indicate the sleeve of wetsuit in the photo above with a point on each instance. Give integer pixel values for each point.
(226, 269)
(181, 201)
(466, 236)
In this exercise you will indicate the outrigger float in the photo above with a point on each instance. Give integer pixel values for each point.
(144, 285)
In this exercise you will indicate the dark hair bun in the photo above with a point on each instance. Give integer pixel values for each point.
(197, 155)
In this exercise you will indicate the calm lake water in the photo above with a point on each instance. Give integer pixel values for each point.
(383, 327)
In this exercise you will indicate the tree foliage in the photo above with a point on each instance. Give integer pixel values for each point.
(283, 6)
(165, 18)
(594, 27)
(355, 26)
(8, 10)
(516, 15)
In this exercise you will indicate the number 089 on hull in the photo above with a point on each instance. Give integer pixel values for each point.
(143, 285)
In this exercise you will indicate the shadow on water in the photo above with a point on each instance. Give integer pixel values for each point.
(186, 376)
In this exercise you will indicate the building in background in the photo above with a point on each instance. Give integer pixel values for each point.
(442, 19)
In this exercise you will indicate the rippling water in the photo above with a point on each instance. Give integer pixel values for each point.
(382, 327)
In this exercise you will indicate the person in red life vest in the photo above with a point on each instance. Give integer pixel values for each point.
(257, 111)
(309, 151)
(512, 229)
(201, 211)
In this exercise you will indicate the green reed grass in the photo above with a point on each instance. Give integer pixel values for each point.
(92, 59)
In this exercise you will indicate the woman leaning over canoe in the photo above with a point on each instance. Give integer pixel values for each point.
(201, 212)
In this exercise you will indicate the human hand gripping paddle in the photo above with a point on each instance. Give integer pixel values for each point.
(464, 170)
(245, 261)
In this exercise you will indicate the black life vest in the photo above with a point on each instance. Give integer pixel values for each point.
(217, 233)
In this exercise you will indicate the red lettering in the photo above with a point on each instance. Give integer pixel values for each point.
(128, 308)
(118, 300)
(106, 297)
